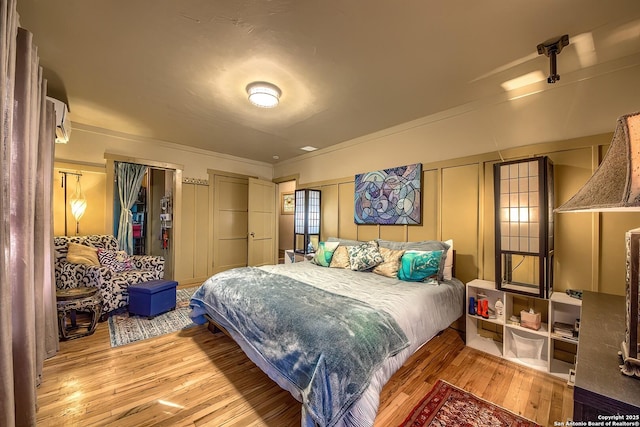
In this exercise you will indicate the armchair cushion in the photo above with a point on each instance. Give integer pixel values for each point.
(82, 254)
(70, 275)
(148, 263)
(118, 261)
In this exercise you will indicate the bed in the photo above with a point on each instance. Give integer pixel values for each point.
(332, 337)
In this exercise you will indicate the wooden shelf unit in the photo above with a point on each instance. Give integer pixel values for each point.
(496, 336)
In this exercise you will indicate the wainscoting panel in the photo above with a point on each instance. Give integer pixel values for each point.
(370, 232)
(346, 225)
(460, 217)
(329, 206)
(195, 233)
(430, 208)
(396, 233)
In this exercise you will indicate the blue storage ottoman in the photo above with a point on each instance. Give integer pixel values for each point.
(152, 298)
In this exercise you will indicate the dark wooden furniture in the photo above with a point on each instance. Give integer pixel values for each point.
(600, 388)
(71, 301)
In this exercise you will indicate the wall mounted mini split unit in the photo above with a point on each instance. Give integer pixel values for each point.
(63, 127)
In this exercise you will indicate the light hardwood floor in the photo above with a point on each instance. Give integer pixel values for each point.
(196, 378)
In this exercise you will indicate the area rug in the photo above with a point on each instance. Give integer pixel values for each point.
(447, 405)
(125, 329)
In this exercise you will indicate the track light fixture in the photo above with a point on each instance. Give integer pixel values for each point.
(552, 48)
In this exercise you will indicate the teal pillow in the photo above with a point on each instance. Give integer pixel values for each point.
(426, 245)
(417, 266)
(324, 253)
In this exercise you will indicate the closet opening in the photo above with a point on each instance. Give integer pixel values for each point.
(147, 191)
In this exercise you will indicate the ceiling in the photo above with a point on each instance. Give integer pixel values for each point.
(177, 71)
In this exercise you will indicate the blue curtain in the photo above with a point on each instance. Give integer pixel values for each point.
(129, 178)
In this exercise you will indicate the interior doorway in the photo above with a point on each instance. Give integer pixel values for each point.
(160, 210)
(286, 192)
(152, 216)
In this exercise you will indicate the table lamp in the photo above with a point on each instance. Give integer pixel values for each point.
(615, 187)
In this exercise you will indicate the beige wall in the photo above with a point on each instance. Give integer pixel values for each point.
(457, 199)
(85, 153)
(88, 145)
(458, 204)
(92, 181)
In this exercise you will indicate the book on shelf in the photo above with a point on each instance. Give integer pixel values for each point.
(564, 330)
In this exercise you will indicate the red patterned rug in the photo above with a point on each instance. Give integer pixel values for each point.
(446, 405)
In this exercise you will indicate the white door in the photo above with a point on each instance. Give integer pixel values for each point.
(262, 245)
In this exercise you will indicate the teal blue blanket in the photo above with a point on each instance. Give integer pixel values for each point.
(325, 344)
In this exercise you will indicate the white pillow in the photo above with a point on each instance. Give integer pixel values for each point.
(447, 272)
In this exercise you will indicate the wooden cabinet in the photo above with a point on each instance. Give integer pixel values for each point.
(543, 349)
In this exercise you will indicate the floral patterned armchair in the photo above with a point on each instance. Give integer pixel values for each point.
(112, 284)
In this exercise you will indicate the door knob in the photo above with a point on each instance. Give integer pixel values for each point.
(252, 234)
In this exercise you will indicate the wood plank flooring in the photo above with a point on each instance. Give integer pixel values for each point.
(195, 378)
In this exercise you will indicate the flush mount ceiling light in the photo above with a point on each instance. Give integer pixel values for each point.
(263, 95)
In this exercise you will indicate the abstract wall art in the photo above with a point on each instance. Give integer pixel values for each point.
(389, 196)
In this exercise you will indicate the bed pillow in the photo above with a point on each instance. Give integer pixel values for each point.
(118, 261)
(424, 245)
(364, 256)
(390, 264)
(447, 271)
(324, 253)
(340, 258)
(416, 266)
(82, 254)
(345, 242)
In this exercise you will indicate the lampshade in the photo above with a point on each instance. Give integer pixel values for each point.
(264, 95)
(615, 185)
(78, 202)
(78, 206)
(524, 226)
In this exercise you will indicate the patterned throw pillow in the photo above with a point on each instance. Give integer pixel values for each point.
(417, 266)
(426, 245)
(82, 254)
(118, 261)
(324, 253)
(340, 257)
(364, 256)
(391, 263)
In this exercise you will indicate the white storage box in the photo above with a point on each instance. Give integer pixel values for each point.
(528, 348)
